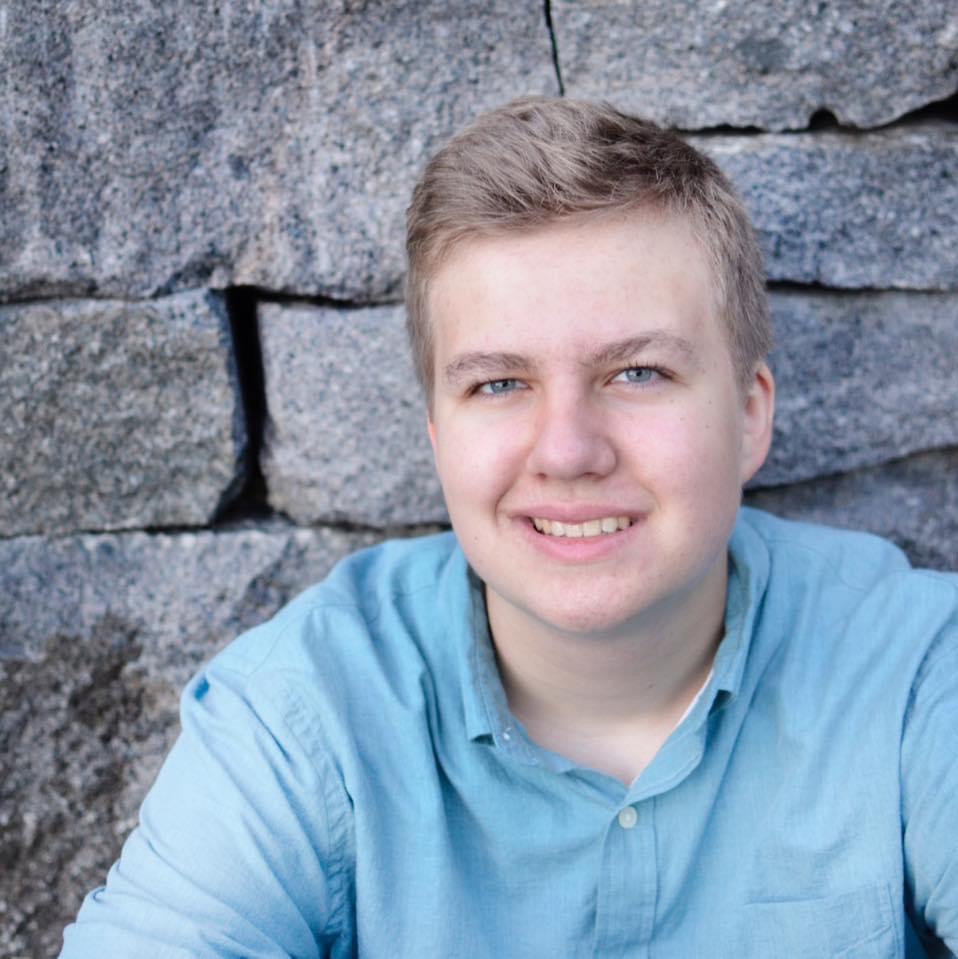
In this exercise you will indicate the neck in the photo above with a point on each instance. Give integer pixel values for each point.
(610, 699)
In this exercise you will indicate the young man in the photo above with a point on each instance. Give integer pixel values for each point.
(612, 714)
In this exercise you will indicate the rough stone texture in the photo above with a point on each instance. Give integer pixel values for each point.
(863, 379)
(116, 415)
(97, 636)
(152, 147)
(765, 64)
(912, 501)
(274, 143)
(346, 435)
(873, 210)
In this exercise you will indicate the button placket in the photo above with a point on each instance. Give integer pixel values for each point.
(626, 884)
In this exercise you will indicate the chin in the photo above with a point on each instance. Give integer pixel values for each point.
(579, 621)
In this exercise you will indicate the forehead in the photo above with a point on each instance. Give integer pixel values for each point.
(572, 282)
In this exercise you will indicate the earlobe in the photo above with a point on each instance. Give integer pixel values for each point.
(759, 418)
(431, 430)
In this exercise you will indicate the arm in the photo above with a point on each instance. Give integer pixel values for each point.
(242, 842)
(929, 773)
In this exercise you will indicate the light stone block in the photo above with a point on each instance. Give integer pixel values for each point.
(346, 433)
(863, 379)
(912, 501)
(769, 64)
(847, 210)
(156, 147)
(117, 415)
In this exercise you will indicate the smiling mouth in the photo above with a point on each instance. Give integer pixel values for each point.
(586, 530)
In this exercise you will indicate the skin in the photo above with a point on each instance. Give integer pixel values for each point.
(582, 371)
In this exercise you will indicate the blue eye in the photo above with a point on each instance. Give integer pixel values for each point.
(497, 387)
(638, 374)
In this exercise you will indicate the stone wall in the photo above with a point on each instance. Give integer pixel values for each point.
(205, 398)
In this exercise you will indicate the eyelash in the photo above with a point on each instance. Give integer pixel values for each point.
(658, 371)
(480, 388)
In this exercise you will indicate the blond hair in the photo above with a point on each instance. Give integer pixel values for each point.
(539, 160)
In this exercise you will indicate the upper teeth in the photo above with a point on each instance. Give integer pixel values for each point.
(592, 527)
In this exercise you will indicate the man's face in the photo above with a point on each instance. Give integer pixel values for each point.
(583, 385)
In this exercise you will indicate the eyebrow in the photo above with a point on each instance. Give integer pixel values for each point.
(488, 365)
(496, 364)
(622, 351)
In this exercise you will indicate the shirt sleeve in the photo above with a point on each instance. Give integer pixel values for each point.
(930, 792)
(241, 849)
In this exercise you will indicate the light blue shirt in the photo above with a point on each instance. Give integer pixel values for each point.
(349, 781)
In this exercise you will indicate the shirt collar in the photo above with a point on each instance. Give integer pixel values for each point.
(747, 579)
(465, 615)
(485, 709)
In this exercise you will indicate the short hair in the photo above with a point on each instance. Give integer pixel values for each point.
(540, 160)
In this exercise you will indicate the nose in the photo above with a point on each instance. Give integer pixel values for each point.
(571, 439)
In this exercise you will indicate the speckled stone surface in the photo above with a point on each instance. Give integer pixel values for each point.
(153, 147)
(876, 210)
(98, 634)
(912, 501)
(769, 64)
(117, 415)
(863, 379)
(346, 433)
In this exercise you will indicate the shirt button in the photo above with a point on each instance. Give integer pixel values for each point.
(628, 817)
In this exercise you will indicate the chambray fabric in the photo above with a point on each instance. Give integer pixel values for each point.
(349, 781)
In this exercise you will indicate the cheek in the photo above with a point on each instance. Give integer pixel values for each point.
(475, 463)
(697, 453)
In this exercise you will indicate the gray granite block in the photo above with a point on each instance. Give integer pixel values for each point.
(913, 501)
(153, 147)
(97, 636)
(876, 210)
(764, 63)
(863, 379)
(346, 434)
(116, 415)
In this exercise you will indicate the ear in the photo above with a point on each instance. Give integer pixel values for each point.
(757, 423)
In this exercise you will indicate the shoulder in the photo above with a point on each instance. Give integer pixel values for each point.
(354, 659)
(812, 548)
(351, 603)
(372, 630)
(841, 597)
(802, 557)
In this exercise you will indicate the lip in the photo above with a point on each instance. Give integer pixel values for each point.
(577, 549)
(574, 514)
